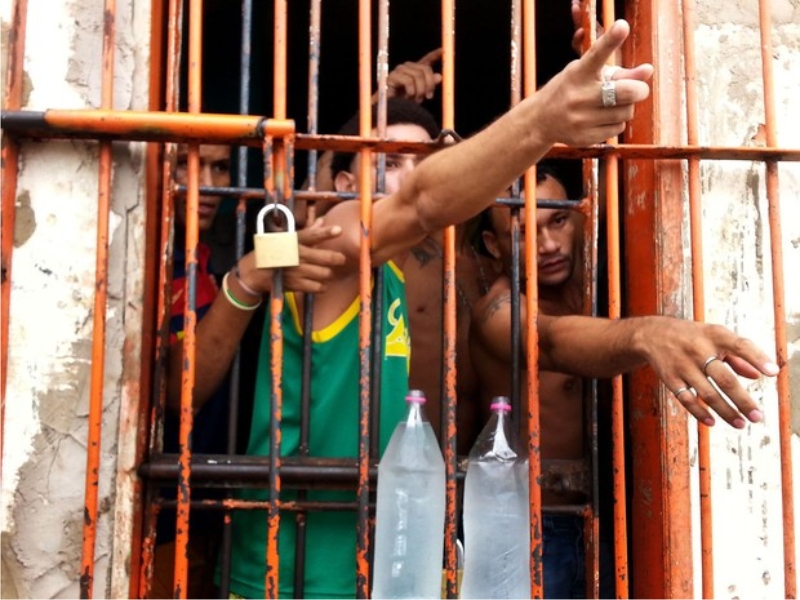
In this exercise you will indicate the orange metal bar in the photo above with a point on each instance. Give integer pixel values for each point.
(145, 126)
(532, 308)
(94, 433)
(365, 294)
(271, 580)
(10, 170)
(183, 508)
(276, 183)
(161, 199)
(779, 294)
(617, 407)
(449, 315)
(660, 514)
(698, 292)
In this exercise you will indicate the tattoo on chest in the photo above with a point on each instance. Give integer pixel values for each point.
(425, 252)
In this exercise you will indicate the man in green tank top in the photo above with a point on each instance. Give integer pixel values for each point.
(447, 188)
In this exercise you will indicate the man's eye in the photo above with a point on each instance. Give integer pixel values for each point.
(221, 167)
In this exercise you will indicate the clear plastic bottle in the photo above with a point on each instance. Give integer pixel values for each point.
(496, 513)
(410, 509)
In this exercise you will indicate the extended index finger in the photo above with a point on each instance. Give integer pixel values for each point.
(317, 233)
(431, 57)
(597, 56)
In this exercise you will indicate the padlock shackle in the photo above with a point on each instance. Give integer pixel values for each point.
(290, 222)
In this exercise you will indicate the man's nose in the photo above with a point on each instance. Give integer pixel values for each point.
(205, 175)
(547, 243)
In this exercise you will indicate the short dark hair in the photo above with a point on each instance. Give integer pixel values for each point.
(398, 111)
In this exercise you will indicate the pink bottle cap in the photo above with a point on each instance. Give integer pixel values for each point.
(500, 403)
(417, 396)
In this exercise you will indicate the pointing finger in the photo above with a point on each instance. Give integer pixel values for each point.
(605, 46)
(431, 57)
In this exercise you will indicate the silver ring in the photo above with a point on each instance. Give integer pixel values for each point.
(608, 93)
(709, 360)
(679, 391)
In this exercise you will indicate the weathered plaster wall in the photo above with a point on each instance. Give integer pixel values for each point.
(51, 309)
(746, 476)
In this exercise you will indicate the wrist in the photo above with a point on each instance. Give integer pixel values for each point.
(241, 288)
(237, 298)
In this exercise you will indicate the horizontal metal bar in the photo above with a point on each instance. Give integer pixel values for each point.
(247, 131)
(144, 126)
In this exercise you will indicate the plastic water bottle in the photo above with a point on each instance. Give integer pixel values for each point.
(496, 514)
(409, 514)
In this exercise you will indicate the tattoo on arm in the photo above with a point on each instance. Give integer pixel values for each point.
(495, 305)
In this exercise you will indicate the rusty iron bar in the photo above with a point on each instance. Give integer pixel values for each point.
(162, 200)
(617, 406)
(188, 374)
(10, 170)
(532, 309)
(95, 419)
(698, 292)
(365, 296)
(779, 306)
(155, 126)
(449, 306)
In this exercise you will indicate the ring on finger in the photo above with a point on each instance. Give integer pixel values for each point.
(608, 93)
(685, 388)
(708, 361)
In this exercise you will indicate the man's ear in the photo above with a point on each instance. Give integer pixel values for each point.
(344, 182)
(490, 241)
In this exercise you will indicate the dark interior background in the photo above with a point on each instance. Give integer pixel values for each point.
(482, 65)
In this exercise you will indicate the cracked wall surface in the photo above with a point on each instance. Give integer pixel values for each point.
(52, 307)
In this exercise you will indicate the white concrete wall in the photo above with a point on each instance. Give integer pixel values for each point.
(51, 307)
(746, 476)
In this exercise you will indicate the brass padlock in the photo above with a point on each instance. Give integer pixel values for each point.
(275, 250)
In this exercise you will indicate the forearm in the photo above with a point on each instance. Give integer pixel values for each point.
(593, 347)
(217, 337)
(456, 184)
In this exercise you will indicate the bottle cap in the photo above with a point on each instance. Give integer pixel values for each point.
(417, 396)
(500, 403)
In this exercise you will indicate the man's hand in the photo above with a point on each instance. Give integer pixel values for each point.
(572, 102)
(315, 268)
(415, 80)
(697, 358)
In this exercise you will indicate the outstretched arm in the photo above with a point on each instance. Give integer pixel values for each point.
(458, 182)
(222, 327)
(677, 350)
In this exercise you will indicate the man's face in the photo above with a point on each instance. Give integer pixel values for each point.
(556, 236)
(398, 166)
(215, 170)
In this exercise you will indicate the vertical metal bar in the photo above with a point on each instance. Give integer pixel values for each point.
(614, 312)
(241, 213)
(164, 288)
(779, 294)
(449, 306)
(10, 170)
(365, 318)
(275, 180)
(314, 54)
(532, 307)
(515, 341)
(99, 313)
(271, 581)
(382, 72)
(181, 576)
(660, 513)
(698, 292)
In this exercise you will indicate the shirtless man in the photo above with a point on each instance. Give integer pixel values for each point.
(560, 286)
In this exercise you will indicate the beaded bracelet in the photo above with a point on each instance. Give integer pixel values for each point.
(233, 299)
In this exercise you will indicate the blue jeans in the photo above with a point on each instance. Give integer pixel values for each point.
(563, 559)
